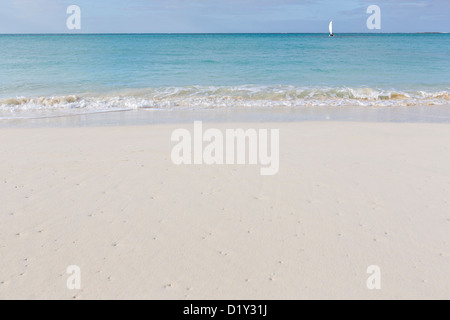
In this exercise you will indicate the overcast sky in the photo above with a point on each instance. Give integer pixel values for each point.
(161, 16)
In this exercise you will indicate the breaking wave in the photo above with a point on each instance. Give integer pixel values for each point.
(219, 97)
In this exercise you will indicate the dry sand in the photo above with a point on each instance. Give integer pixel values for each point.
(348, 195)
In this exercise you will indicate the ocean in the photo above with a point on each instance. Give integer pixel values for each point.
(42, 75)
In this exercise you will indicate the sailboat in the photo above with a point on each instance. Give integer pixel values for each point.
(331, 29)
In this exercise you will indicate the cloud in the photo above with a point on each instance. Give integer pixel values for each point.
(222, 15)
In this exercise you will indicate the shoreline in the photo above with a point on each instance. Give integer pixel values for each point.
(141, 117)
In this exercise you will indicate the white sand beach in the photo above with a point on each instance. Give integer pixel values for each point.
(109, 200)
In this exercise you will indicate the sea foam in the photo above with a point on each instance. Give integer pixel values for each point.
(219, 97)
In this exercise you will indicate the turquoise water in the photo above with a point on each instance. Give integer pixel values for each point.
(110, 72)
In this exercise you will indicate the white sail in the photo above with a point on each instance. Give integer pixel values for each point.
(331, 27)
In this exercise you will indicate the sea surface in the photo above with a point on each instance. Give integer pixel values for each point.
(46, 75)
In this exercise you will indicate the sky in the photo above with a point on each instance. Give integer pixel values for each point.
(223, 16)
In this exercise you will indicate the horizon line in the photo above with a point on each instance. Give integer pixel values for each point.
(211, 33)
